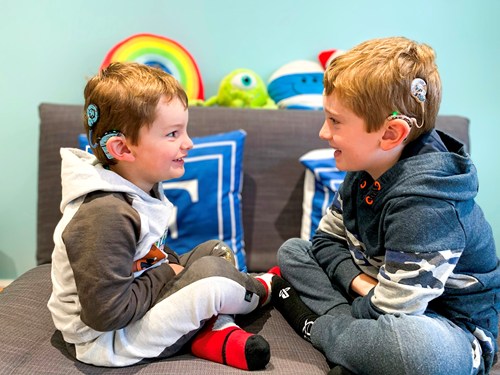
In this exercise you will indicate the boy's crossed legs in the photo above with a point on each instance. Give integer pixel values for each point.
(209, 287)
(221, 340)
(391, 344)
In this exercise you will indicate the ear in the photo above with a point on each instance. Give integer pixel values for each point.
(395, 133)
(117, 147)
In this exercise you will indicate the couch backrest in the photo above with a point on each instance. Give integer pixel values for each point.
(273, 176)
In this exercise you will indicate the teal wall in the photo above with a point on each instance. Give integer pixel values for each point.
(49, 47)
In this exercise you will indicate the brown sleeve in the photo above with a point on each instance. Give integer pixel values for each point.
(173, 257)
(101, 243)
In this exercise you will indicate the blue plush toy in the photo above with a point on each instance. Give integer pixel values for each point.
(297, 85)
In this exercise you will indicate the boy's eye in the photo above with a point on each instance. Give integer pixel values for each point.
(172, 134)
(333, 121)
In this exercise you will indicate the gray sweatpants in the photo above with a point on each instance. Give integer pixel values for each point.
(209, 285)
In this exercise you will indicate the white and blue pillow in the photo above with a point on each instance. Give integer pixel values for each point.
(322, 180)
(207, 198)
(83, 143)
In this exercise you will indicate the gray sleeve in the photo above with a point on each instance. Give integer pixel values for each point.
(330, 248)
(101, 242)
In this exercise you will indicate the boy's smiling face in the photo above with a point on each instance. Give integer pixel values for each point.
(162, 147)
(355, 148)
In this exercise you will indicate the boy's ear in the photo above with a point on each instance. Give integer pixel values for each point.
(396, 131)
(117, 147)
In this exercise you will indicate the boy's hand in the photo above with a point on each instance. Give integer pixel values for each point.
(176, 267)
(362, 284)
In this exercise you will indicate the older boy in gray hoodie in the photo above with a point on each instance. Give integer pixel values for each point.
(401, 276)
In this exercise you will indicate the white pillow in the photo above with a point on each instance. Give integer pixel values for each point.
(321, 182)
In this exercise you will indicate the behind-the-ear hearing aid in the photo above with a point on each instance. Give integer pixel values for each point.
(92, 119)
(418, 90)
(398, 116)
(409, 120)
(102, 142)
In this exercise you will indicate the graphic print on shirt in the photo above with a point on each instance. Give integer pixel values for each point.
(152, 257)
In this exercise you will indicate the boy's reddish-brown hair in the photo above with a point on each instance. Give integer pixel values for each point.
(374, 78)
(126, 95)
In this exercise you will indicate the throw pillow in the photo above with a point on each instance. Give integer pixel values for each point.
(322, 180)
(207, 199)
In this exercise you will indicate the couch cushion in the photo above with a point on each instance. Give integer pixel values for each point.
(273, 177)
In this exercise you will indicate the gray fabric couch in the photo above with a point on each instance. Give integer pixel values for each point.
(272, 210)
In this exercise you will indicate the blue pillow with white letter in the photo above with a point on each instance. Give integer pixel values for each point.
(207, 198)
(321, 182)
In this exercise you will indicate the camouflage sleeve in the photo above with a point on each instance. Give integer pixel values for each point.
(409, 281)
(424, 241)
(330, 247)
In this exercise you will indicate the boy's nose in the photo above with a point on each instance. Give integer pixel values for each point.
(324, 132)
(187, 144)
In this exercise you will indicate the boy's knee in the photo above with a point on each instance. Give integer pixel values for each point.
(211, 248)
(220, 249)
(209, 266)
(292, 250)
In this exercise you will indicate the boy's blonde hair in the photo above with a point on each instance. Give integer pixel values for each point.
(126, 96)
(374, 78)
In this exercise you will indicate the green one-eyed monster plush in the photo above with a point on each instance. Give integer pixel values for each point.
(242, 88)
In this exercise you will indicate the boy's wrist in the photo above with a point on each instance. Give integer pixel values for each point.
(362, 284)
(177, 268)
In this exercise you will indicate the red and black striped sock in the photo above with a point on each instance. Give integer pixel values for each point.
(222, 341)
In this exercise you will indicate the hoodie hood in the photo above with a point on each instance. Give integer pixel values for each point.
(435, 165)
(82, 173)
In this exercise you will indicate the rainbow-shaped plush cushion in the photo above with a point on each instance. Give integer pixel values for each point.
(161, 52)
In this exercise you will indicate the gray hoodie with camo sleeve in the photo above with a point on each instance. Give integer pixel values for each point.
(103, 245)
(419, 232)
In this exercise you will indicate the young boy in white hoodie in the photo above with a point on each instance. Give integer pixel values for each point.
(120, 294)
